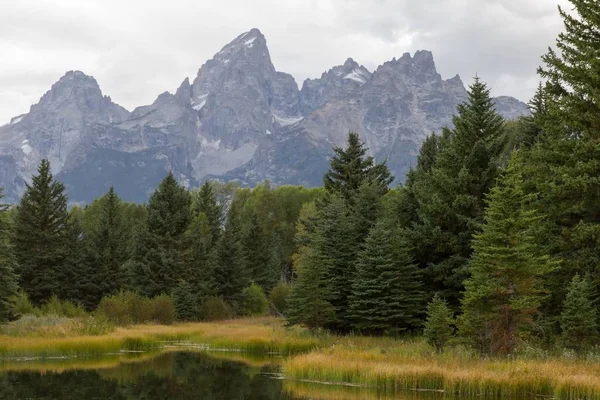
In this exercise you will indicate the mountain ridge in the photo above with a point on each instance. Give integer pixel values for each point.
(238, 119)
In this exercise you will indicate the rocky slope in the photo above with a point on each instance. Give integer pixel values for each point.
(239, 119)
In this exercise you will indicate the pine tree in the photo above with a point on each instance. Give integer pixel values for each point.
(438, 326)
(504, 291)
(186, 303)
(563, 167)
(198, 270)
(169, 215)
(256, 249)
(231, 274)
(207, 203)
(578, 320)
(350, 167)
(8, 263)
(386, 292)
(450, 196)
(40, 239)
(336, 239)
(573, 74)
(107, 245)
(77, 273)
(307, 304)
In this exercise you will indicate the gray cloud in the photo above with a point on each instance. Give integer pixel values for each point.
(137, 49)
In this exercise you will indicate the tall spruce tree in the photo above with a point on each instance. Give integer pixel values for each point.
(578, 319)
(387, 292)
(336, 239)
(206, 202)
(77, 275)
(573, 73)
(107, 246)
(231, 273)
(161, 264)
(41, 236)
(198, 269)
(351, 166)
(505, 289)
(308, 304)
(8, 263)
(563, 167)
(449, 197)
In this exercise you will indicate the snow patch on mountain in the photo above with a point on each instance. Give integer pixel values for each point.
(285, 121)
(356, 76)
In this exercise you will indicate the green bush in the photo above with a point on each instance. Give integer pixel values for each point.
(255, 302)
(24, 306)
(127, 308)
(215, 308)
(279, 296)
(119, 308)
(163, 310)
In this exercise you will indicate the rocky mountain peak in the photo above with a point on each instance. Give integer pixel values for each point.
(339, 81)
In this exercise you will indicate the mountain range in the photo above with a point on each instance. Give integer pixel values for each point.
(238, 119)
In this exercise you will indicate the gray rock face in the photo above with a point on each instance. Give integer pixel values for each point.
(239, 119)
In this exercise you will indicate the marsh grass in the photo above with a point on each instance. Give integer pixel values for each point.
(255, 336)
(383, 366)
(403, 366)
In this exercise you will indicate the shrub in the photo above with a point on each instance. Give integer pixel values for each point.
(255, 301)
(279, 296)
(163, 310)
(118, 308)
(127, 308)
(24, 306)
(215, 308)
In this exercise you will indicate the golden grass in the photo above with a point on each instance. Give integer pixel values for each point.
(406, 366)
(381, 365)
(259, 336)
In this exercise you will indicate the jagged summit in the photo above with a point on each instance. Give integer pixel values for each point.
(239, 118)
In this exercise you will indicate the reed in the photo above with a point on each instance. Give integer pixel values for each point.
(404, 367)
(257, 336)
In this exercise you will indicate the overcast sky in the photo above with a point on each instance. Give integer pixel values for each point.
(137, 49)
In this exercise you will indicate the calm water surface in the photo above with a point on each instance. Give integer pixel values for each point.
(182, 375)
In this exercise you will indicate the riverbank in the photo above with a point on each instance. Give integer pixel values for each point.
(391, 366)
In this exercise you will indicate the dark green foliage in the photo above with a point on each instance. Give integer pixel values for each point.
(214, 309)
(386, 293)
(159, 264)
(573, 73)
(41, 236)
(231, 274)
(578, 319)
(337, 243)
(279, 298)
(438, 325)
(206, 202)
(449, 197)
(505, 289)
(198, 265)
(255, 302)
(82, 287)
(185, 302)
(107, 246)
(8, 263)
(308, 304)
(350, 167)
